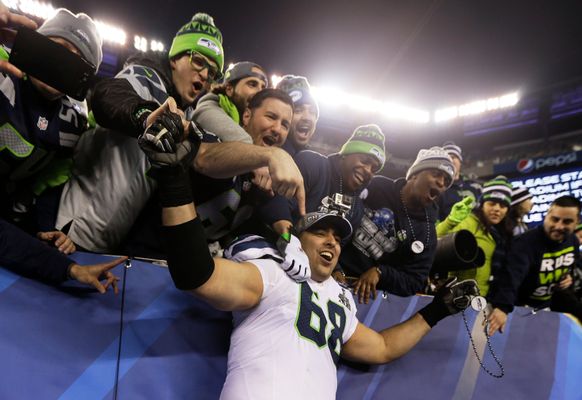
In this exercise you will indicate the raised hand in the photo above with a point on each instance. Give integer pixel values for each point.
(461, 210)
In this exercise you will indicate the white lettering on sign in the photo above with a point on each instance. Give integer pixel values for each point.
(547, 187)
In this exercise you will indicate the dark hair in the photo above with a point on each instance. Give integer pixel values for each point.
(218, 88)
(257, 100)
(567, 201)
(512, 217)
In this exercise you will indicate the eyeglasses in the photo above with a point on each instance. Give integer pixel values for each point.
(199, 63)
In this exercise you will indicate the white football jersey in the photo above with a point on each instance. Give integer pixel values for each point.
(287, 347)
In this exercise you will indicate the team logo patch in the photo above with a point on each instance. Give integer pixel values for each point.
(296, 95)
(209, 44)
(447, 168)
(82, 35)
(42, 123)
(344, 299)
(525, 165)
(376, 153)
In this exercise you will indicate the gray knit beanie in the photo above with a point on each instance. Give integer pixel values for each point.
(433, 158)
(453, 150)
(78, 29)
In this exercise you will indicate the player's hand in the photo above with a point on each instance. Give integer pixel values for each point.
(165, 141)
(456, 296)
(286, 179)
(365, 287)
(452, 297)
(61, 241)
(164, 128)
(295, 263)
(496, 320)
(93, 274)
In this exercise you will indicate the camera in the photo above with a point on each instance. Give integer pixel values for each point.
(338, 203)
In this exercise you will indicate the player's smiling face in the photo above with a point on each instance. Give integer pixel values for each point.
(322, 246)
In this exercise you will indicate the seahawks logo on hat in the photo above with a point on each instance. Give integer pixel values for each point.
(378, 154)
(209, 44)
(447, 168)
(83, 37)
(296, 95)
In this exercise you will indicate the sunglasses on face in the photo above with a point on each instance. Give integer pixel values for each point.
(199, 63)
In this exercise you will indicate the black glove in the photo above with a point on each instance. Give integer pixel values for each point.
(451, 298)
(170, 156)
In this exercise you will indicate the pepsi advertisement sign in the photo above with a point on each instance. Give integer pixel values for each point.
(529, 165)
(547, 187)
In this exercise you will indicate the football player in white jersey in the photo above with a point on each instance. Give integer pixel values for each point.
(282, 325)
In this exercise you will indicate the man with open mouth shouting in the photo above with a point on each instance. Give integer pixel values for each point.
(109, 187)
(394, 247)
(305, 112)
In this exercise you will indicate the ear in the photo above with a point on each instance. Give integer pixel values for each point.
(173, 63)
(246, 117)
(229, 90)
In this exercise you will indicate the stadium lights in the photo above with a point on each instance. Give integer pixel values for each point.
(110, 34)
(334, 97)
(275, 79)
(31, 7)
(476, 107)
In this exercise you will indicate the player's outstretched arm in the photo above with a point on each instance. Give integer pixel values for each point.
(367, 345)
(224, 284)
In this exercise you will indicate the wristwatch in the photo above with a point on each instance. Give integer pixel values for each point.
(379, 271)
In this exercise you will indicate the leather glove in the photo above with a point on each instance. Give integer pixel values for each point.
(461, 210)
(163, 142)
(295, 263)
(170, 156)
(451, 298)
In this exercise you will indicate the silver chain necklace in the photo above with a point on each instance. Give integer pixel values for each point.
(354, 198)
(502, 371)
(417, 246)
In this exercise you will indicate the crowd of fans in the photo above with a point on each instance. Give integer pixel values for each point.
(180, 161)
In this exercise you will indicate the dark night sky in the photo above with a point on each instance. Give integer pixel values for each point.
(425, 54)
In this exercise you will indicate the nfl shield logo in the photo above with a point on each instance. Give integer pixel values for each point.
(42, 123)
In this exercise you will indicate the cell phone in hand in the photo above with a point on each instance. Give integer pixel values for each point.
(40, 57)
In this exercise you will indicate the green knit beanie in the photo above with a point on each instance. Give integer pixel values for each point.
(366, 139)
(201, 35)
(497, 189)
